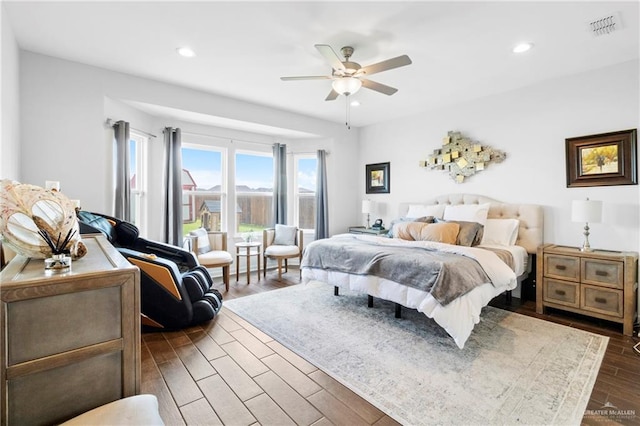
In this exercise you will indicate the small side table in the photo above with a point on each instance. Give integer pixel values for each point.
(364, 230)
(245, 249)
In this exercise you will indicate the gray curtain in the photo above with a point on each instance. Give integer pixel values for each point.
(123, 180)
(172, 220)
(280, 183)
(322, 199)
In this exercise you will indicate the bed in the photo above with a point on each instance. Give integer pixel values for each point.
(393, 271)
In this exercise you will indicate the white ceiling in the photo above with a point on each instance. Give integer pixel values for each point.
(460, 50)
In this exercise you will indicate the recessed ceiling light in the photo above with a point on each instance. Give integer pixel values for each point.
(355, 103)
(187, 52)
(522, 47)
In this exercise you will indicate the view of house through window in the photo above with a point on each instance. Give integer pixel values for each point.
(204, 177)
(254, 191)
(203, 194)
(305, 184)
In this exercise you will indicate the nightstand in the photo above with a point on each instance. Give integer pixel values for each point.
(600, 283)
(365, 230)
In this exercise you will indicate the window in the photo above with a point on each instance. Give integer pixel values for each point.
(305, 192)
(254, 191)
(138, 179)
(203, 188)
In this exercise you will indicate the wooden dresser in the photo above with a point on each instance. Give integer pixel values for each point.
(602, 284)
(70, 341)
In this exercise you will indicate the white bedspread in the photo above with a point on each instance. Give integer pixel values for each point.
(458, 317)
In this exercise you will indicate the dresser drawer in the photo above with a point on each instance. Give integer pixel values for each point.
(602, 300)
(603, 272)
(563, 267)
(562, 292)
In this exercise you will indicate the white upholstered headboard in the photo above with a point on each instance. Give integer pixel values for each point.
(531, 216)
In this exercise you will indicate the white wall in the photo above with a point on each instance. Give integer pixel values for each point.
(10, 101)
(63, 109)
(530, 125)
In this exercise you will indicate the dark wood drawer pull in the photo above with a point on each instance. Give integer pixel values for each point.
(602, 273)
(600, 300)
(561, 292)
(561, 267)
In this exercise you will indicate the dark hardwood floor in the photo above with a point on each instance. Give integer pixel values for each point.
(228, 372)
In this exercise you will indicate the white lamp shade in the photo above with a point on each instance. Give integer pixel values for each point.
(367, 206)
(346, 85)
(588, 211)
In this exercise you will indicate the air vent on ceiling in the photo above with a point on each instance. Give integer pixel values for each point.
(605, 25)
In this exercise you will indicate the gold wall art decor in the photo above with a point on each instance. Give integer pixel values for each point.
(462, 157)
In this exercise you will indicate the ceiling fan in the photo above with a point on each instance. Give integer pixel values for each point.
(349, 76)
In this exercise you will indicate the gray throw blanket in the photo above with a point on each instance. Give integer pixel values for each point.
(445, 275)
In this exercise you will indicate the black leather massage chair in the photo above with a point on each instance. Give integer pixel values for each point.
(175, 290)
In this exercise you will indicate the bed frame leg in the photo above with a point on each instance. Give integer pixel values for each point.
(369, 301)
(398, 310)
(509, 296)
(336, 291)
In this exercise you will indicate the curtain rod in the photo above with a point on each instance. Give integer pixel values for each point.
(232, 140)
(110, 122)
(226, 138)
(306, 152)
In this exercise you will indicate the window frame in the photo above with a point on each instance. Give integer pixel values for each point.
(296, 186)
(223, 151)
(138, 216)
(268, 154)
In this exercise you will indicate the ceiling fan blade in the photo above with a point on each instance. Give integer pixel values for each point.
(308, 77)
(332, 95)
(330, 55)
(378, 87)
(389, 64)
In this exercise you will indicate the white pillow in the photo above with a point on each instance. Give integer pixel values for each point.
(285, 235)
(503, 232)
(467, 212)
(203, 240)
(422, 210)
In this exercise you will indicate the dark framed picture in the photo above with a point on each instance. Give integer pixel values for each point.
(602, 160)
(378, 178)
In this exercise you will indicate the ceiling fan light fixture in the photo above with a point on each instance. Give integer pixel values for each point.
(346, 85)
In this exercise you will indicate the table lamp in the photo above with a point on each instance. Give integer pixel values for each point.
(587, 211)
(367, 206)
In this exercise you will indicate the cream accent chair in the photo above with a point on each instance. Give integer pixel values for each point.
(282, 243)
(210, 247)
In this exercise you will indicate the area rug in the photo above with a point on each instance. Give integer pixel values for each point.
(514, 369)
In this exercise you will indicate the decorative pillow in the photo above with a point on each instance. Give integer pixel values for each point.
(203, 240)
(417, 231)
(425, 219)
(421, 210)
(470, 232)
(285, 235)
(467, 212)
(502, 232)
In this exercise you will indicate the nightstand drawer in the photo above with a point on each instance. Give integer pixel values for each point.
(561, 292)
(603, 272)
(602, 300)
(564, 267)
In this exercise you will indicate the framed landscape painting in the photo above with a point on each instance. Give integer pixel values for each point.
(378, 178)
(602, 160)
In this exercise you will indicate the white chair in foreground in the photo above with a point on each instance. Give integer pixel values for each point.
(210, 247)
(281, 243)
(132, 411)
